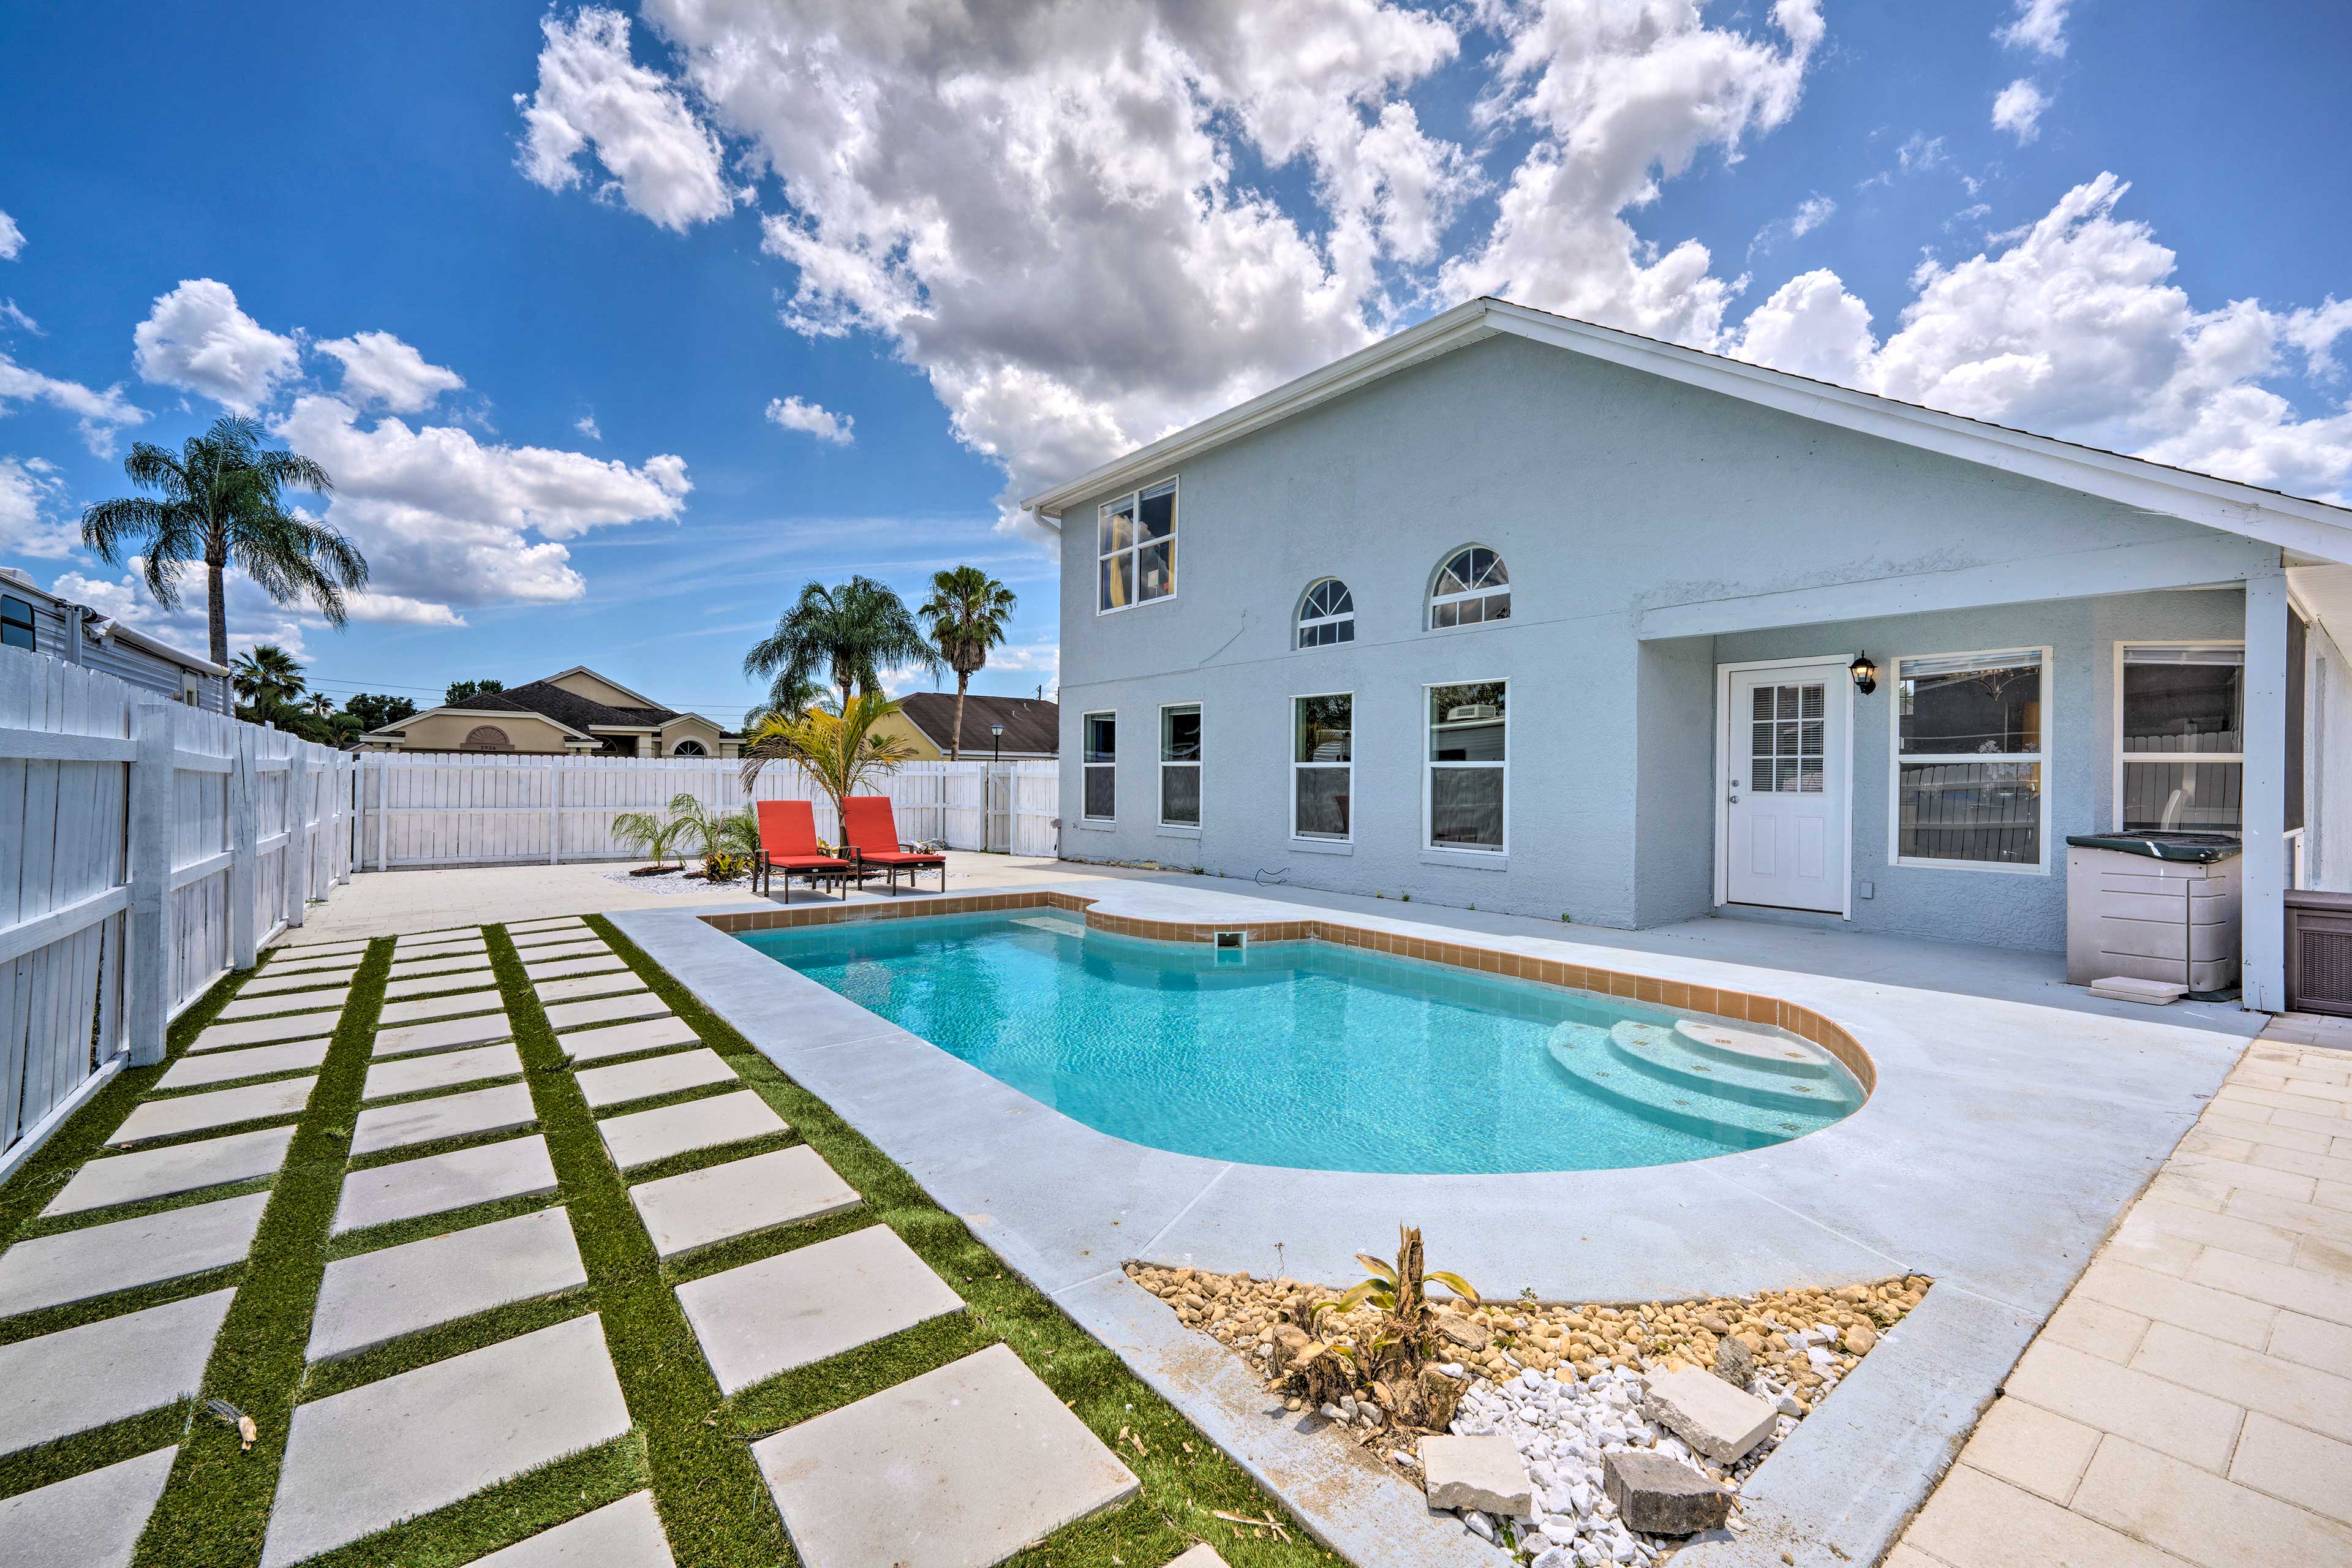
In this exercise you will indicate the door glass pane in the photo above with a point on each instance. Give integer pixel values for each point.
(1989, 812)
(1465, 722)
(2182, 707)
(1180, 735)
(1323, 796)
(1323, 729)
(1466, 807)
(1179, 796)
(1996, 710)
(2185, 798)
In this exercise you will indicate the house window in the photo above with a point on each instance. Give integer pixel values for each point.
(16, 622)
(1468, 790)
(1135, 548)
(2180, 751)
(1967, 760)
(486, 738)
(1322, 767)
(1327, 615)
(1100, 743)
(688, 748)
(1180, 766)
(1471, 587)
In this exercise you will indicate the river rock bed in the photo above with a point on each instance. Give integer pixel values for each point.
(1564, 1381)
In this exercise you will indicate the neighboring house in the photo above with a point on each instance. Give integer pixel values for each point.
(577, 711)
(34, 618)
(1513, 611)
(926, 720)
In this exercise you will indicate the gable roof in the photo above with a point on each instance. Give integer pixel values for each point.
(568, 710)
(2295, 523)
(1030, 725)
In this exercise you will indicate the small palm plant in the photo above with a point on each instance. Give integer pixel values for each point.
(729, 839)
(652, 836)
(1396, 1363)
(836, 746)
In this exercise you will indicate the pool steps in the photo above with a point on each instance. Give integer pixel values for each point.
(1652, 1076)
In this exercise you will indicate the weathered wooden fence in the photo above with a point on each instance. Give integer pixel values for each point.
(146, 849)
(449, 808)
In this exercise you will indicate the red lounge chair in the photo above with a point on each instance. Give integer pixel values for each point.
(788, 843)
(871, 837)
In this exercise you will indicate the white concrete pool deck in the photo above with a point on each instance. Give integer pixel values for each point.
(2015, 1120)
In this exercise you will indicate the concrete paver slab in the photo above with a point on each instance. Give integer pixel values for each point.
(439, 1069)
(642, 1137)
(680, 1070)
(623, 1534)
(82, 1377)
(451, 1006)
(410, 968)
(379, 1295)
(251, 1061)
(78, 1265)
(317, 949)
(565, 968)
(505, 1108)
(472, 979)
(269, 981)
(214, 1108)
(620, 1040)
(959, 1468)
(589, 947)
(264, 1031)
(272, 1003)
(580, 988)
(816, 1301)
(517, 1168)
(720, 1203)
(474, 948)
(445, 1035)
(182, 1168)
(358, 1461)
(607, 1010)
(548, 922)
(550, 936)
(90, 1520)
(301, 965)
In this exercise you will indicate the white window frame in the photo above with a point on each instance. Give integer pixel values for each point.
(1898, 758)
(1135, 546)
(1348, 837)
(1160, 764)
(1300, 620)
(1477, 853)
(1084, 766)
(1431, 598)
(2116, 733)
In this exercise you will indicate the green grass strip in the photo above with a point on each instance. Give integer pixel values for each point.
(1185, 1477)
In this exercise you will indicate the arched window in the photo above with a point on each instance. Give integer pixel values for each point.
(1327, 615)
(486, 738)
(1471, 587)
(688, 748)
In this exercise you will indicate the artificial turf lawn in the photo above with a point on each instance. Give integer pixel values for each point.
(690, 1445)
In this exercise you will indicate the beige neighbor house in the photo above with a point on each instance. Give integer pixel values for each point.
(576, 712)
(1031, 729)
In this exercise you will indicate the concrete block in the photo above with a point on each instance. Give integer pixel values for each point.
(620, 1040)
(450, 964)
(529, 941)
(90, 1520)
(959, 1468)
(264, 1031)
(591, 947)
(358, 1461)
(1718, 1420)
(433, 985)
(252, 1061)
(270, 982)
(428, 947)
(816, 1301)
(547, 922)
(448, 1035)
(642, 1137)
(165, 1173)
(1660, 1494)
(316, 950)
(82, 1377)
(655, 1075)
(720, 1203)
(378, 1296)
(609, 1010)
(426, 1009)
(439, 1069)
(504, 1107)
(580, 988)
(80, 1265)
(1484, 1473)
(215, 1108)
(623, 1534)
(274, 1002)
(517, 1168)
(564, 968)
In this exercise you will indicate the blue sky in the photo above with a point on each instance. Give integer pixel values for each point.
(616, 327)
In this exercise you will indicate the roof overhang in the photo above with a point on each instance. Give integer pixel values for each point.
(2297, 523)
(498, 715)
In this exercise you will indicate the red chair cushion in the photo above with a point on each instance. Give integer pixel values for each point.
(867, 825)
(788, 827)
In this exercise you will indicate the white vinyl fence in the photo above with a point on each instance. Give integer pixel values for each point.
(448, 808)
(146, 849)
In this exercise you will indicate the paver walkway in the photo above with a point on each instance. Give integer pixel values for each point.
(2191, 1401)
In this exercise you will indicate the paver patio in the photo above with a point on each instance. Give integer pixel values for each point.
(89, 1521)
(671, 1074)
(503, 1108)
(100, 1259)
(623, 1534)
(187, 1114)
(84, 1377)
(379, 1295)
(169, 1172)
(816, 1301)
(621, 1039)
(517, 1168)
(252, 1061)
(640, 1137)
(439, 1069)
(720, 1203)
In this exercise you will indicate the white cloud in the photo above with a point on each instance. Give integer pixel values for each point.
(12, 316)
(792, 414)
(2037, 24)
(100, 414)
(396, 609)
(2018, 109)
(197, 339)
(592, 99)
(1811, 213)
(30, 524)
(1920, 153)
(252, 616)
(586, 426)
(379, 368)
(12, 238)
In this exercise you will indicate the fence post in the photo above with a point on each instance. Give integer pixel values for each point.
(148, 948)
(555, 810)
(297, 846)
(244, 863)
(383, 807)
(347, 816)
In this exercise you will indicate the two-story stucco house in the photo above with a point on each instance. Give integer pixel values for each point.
(1513, 611)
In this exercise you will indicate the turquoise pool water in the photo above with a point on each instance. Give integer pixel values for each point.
(1304, 1055)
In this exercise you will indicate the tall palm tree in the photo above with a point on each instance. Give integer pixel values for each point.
(850, 634)
(220, 500)
(837, 748)
(267, 676)
(321, 705)
(967, 610)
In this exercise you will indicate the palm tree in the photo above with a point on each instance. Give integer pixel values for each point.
(220, 501)
(837, 747)
(850, 634)
(967, 609)
(267, 678)
(321, 705)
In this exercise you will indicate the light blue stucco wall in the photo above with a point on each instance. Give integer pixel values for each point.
(2328, 764)
(1623, 503)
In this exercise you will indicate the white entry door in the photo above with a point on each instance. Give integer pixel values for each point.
(1785, 769)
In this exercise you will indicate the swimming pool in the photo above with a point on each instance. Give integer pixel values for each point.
(1321, 1058)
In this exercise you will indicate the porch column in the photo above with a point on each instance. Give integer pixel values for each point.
(2263, 871)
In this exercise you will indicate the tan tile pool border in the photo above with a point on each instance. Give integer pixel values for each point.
(1738, 1006)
